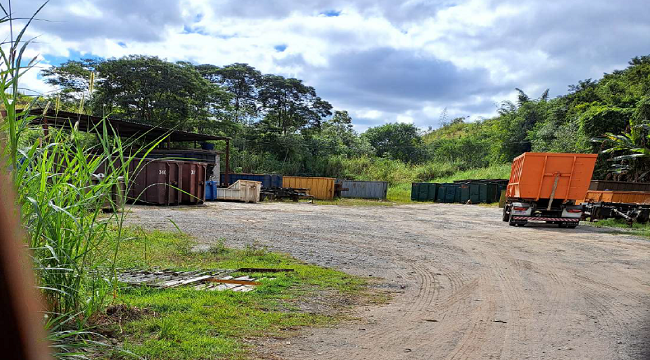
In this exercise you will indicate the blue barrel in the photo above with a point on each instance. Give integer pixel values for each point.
(210, 190)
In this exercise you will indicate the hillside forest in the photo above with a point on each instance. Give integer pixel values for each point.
(281, 125)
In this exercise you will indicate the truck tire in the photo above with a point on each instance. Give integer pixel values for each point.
(510, 221)
(572, 226)
(506, 215)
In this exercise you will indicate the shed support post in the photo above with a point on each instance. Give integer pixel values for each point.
(226, 178)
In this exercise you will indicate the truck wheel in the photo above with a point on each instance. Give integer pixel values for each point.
(562, 225)
(506, 215)
(572, 226)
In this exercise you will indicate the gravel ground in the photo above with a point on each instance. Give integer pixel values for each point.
(467, 285)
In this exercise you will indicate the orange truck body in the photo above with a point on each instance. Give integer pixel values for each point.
(627, 197)
(533, 176)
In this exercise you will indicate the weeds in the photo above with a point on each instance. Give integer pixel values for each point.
(255, 249)
(219, 248)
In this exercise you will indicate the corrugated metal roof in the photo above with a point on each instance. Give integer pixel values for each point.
(123, 128)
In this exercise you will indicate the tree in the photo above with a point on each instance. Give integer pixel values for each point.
(600, 119)
(337, 137)
(242, 82)
(290, 105)
(154, 91)
(398, 141)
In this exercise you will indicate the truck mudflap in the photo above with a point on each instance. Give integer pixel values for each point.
(544, 218)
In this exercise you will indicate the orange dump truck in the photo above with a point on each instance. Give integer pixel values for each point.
(545, 187)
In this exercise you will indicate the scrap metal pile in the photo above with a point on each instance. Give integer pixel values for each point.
(281, 193)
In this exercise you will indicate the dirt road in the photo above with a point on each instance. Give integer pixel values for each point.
(467, 285)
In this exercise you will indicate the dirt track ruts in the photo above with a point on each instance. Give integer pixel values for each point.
(467, 286)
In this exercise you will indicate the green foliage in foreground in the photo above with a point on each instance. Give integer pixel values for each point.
(190, 324)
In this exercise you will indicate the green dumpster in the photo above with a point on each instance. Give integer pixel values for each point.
(424, 191)
(474, 193)
(433, 191)
(450, 193)
(464, 193)
(415, 191)
(440, 196)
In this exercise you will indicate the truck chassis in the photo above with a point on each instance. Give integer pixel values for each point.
(518, 212)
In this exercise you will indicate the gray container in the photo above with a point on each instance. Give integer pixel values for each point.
(364, 189)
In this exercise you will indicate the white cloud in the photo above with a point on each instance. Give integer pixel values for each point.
(405, 119)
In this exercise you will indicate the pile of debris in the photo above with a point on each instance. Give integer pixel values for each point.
(294, 194)
(212, 280)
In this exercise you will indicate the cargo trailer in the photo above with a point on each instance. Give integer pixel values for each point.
(545, 187)
(632, 206)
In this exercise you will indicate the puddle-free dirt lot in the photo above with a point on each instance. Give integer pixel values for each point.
(466, 285)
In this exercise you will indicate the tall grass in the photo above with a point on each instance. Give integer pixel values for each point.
(60, 201)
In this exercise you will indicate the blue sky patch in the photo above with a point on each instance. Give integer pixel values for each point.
(58, 60)
(280, 48)
(193, 30)
(122, 44)
(331, 13)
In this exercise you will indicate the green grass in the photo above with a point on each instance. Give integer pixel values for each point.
(501, 171)
(191, 324)
(399, 193)
(620, 226)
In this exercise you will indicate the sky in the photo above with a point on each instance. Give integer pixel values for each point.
(415, 61)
